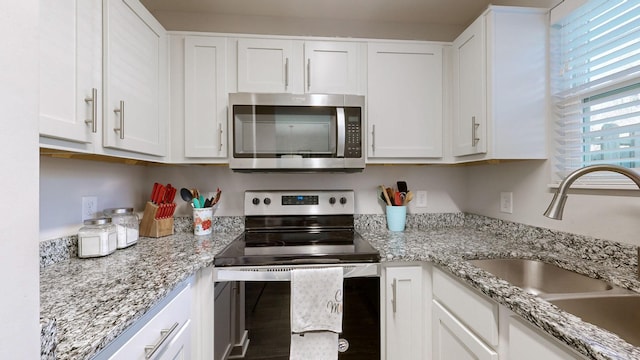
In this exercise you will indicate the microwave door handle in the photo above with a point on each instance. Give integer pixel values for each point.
(341, 132)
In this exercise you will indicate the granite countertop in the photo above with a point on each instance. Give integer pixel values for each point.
(95, 300)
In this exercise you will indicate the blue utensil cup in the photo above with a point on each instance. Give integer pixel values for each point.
(396, 217)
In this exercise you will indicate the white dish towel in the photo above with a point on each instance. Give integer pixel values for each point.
(316, 313)
(321, 345)
(316, 300)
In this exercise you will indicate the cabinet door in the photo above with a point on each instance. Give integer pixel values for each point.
(453, 341)
(528, 343)
(469, 128)
(205, 97)
(331, 67)
(404, 313)
(405, 100)
(135, 77)
(264, 65)
(70, 68)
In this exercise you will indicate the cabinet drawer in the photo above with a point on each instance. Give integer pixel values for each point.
(477, 312)
(174, 316)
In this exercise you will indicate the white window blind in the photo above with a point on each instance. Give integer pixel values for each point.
(595, 81)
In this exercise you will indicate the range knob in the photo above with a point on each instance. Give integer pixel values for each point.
(255, 201)
(267, 201)
(332, 200)
(343, 200)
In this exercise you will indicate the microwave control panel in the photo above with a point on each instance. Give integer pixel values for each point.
(353, 141)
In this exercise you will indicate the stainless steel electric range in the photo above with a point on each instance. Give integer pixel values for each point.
(285, 230)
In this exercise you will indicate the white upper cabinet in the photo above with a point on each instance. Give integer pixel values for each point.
(198, 88)
(264, 65)
(205, 97)
(331, 67)
(500, 86)
(405, 97)
(71, 70)
(296, 66)
(469, 87)
(135, 79)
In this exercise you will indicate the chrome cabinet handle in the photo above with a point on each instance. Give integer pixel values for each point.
(373, 138)
(121, 113)
(474, 131)
(94, 110)
(393, 297)
(309, 75)
(286, 73)
(219, 137)
(151, 350)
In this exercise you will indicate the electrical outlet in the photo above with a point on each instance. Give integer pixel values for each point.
(421, 198)
(506, 202)
(89, 207)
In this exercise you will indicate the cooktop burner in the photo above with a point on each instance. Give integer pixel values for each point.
(298, 228)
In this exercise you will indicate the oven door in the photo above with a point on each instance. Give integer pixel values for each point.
(266, 305)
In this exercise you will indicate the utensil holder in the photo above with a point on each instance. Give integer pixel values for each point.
(396, 217)
(152, 227)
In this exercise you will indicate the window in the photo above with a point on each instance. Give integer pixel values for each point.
(595, 80)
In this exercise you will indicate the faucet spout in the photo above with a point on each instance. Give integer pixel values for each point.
(556, 207)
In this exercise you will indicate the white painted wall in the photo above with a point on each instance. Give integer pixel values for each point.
(19, 267)
(445, 185)
(611, 215)
(63, 183)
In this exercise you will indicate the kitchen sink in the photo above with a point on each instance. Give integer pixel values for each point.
(618, 314)
(540, 278)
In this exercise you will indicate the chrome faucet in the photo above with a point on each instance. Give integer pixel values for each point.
(555, 209)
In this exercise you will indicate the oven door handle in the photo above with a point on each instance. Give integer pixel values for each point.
(283, 272)
(342, 131)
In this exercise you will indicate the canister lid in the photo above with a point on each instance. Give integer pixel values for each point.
(98, 221)
(116, 211)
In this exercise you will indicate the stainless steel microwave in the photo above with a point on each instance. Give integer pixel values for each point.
(289, 132)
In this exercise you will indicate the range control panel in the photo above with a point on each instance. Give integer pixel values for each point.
(299, 202)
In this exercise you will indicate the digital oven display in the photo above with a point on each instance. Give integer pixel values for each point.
(300, 200)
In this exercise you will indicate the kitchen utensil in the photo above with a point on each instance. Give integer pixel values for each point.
(217, 197)
(408, 198)
(391, 196)
(196, 203)
(402, 186)
(186, 194)
(201, 200)
(386, 196)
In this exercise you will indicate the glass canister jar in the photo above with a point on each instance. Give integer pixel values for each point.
(97, 238)
(127, 225)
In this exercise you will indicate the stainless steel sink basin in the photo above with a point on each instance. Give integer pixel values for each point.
(539, 278)
(618, 314)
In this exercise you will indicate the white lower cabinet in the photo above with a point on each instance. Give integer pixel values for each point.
(452, 340)
(469, 325)
(528, 343)
(165, 335)
(404, 312)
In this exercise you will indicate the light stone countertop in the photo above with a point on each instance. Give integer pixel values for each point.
(92, 301)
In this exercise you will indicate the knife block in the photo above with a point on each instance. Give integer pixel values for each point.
(152, 227)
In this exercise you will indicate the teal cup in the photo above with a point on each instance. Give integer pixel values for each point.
(396, 217)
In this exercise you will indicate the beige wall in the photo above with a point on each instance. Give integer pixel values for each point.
(609, 214)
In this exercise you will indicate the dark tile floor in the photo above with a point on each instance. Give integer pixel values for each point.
(267, 319)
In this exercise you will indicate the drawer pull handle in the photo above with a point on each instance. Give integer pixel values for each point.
(394, 284)
(150, 351)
